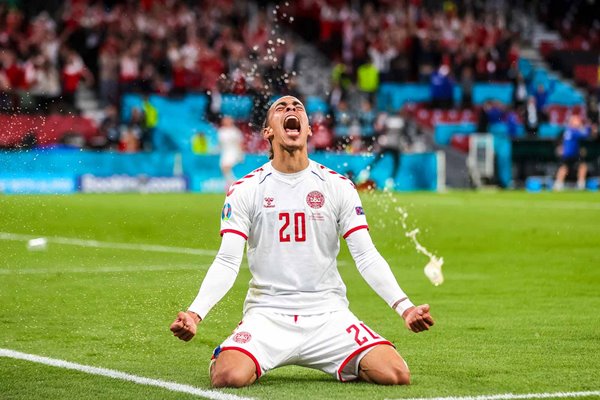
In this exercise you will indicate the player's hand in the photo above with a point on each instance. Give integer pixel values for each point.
(418, 319)
(184, 327)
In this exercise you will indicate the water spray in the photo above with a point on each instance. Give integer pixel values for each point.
(433, 269)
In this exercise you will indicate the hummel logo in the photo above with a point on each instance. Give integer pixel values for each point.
(269, 202)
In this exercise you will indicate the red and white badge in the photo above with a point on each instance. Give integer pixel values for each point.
(315, 199)
(242, 337)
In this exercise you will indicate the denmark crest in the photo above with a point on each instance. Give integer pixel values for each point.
(315, 199)
(242, 337)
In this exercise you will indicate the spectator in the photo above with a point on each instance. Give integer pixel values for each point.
(427, 58)
(531, 117)
(367, 77)
(150, 122)
(73, 72)
(199, 143)
(512, 123)
(367, 117)
(46, 84)
(290, 62)
(392, 128)
(466, 85)
(520, 92)
(570, 153)
(260, 101)
(343, 119)
(541, 97)
(109, 127)
(593, 110)
(108, 61)
(132, 133)
(442, 88)
(321, 138)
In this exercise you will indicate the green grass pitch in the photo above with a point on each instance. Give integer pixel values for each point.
(519, 311)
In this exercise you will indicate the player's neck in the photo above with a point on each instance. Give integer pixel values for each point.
(289, 163)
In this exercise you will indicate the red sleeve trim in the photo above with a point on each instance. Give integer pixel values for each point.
(242, 234)
(357, 352)
(246, 352)
(356, 228)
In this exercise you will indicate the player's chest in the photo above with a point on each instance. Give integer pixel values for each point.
(309, 202)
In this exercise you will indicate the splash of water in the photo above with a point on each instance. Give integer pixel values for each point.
(433, 269)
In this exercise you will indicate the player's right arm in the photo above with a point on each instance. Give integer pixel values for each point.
(218, 281)
(235, 226)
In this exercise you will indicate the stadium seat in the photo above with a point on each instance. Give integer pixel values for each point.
(566, 95)
(443, 132)
(501, 92)
(501, 128)
(525, 67)
(393, 96)
(175, 134)
(237, 107)
(48, 130)
(550, 131)
(315, 104)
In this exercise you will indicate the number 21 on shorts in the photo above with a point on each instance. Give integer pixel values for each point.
(361, 333)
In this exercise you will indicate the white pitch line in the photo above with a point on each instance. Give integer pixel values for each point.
(109, 245)
(512, 396)
(111, 373)
(146, 268)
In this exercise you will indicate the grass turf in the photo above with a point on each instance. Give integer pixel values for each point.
(518, 312)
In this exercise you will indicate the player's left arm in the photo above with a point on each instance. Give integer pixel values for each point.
(352, 225)
(378, 274)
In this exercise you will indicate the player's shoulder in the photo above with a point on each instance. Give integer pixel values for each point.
(333, 178)
(249, 182)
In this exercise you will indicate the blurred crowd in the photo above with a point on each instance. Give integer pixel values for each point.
(173, 47)
(164, 47)
(409, 40)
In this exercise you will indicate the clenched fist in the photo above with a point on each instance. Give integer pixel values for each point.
(417, 318)
(184, 327)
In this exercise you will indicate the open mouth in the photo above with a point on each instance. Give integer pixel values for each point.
(291, 124)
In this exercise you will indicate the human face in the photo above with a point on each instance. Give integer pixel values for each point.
(288, 127)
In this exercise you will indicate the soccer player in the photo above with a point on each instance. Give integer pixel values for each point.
(230, 141)
(291, 212)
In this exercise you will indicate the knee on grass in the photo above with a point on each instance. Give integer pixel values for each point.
(394, 375)
(391, 374)
(231, 377)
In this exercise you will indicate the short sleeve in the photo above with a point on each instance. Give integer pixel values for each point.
(235, 215)
(351, 214)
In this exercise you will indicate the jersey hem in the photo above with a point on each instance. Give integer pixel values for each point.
(293, 311)
(356, 228)
(246, 352)
(242, 234)
(355, 353)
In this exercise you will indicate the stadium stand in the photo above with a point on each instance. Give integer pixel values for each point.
(172, 68)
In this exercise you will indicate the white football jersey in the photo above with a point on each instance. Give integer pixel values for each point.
(293, 223)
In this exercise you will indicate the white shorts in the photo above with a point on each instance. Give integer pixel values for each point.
(333, 342)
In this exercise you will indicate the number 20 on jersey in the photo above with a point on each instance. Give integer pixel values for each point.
(292, 222)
